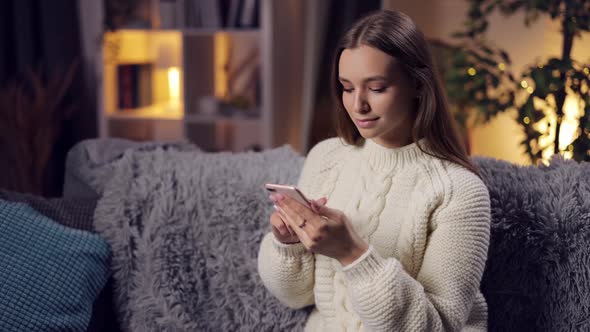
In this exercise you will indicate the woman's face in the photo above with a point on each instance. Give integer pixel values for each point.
(378, 95)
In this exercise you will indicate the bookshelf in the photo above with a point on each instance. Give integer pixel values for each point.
(205, 84)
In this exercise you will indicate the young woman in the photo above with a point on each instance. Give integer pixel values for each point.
(398, 239)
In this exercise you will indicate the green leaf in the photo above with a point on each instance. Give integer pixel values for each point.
(505, 57)
(459, 34)
(487, 50)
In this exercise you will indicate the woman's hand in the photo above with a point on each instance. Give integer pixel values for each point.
(281, 228)
(322, 230)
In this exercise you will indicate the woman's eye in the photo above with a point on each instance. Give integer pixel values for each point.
(347, 90)
(377, 89)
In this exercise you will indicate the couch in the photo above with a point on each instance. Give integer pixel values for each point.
(537, 277)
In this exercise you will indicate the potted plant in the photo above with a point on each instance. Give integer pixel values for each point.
(479, 76)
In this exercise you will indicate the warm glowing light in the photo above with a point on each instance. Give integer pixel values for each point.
(544, 140)
(471, 71)
(569, 124)
(174, 83)
(568, 131)
(526, 120)
(502, 66)
(524, 84)
(222, 44)
(547, 153)
(542, 126)
(530, 90)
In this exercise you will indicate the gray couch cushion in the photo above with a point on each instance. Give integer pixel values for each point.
(538, 271)
(90, 163)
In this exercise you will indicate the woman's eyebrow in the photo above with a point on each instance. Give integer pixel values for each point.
(368, 79)
(376, 78)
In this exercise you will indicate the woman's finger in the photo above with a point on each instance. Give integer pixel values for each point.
(314, 203)
(288, 228)
(279, 225)
(283, 223)
(299, 212)
(327, 212)
(300, 232)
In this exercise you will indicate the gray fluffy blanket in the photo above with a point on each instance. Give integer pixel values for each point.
(185, 229)
(537, 277)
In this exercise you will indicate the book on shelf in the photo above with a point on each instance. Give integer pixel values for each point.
(168, 14)
(181, 13)
(203, 14)
(210, 14)
(134, 85)
(232, 13)
(192, 14)
(243, 14)
(249, 17)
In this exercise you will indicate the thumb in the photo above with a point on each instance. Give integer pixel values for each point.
(317, 202)
(321, 201)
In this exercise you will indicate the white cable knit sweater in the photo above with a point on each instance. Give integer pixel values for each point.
(427, 222)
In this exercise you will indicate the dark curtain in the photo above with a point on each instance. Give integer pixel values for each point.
(44, 109)
(343, 13)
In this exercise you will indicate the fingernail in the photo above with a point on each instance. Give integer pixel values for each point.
(276, 207)
(280, 197)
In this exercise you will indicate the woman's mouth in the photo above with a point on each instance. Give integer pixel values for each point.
(366, 123)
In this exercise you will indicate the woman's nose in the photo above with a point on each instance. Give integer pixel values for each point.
(360, 104)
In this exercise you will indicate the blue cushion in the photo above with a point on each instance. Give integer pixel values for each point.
(50, 275)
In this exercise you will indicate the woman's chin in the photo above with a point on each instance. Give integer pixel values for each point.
(367, 133)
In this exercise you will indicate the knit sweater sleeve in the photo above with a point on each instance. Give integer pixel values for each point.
(287, 270)
(387, 298)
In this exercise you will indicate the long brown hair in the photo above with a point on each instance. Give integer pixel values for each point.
(396, 34)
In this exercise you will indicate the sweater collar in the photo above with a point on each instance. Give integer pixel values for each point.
(384, 158)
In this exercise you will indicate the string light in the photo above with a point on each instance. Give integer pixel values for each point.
(526, 120)
(524, 84)
(471, 71)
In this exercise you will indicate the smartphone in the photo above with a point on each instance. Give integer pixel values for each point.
(290, 191)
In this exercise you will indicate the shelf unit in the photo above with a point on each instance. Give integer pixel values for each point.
(188, 64)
